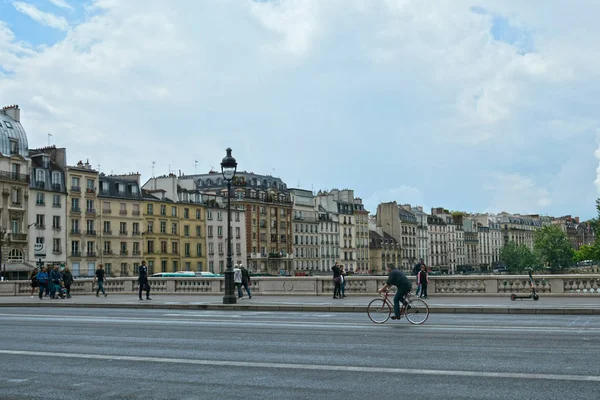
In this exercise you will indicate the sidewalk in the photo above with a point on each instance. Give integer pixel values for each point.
(570, 305)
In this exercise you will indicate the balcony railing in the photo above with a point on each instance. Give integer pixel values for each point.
(135, 233)
(13, 176)
(56, 205)
(91, 254)
(107, 232)
(75, 188)
(107, 211)
(90, 232)
(18, 237)
(135, 252)
(75, 253)
(56, 187)
(123, 212)
(40, 184)
(75, 209)
(75, 231)
(107, 252)
(90, 211)
(90, 190)
(123, 233)
(134, 212)
(124, 252)
(56, 227)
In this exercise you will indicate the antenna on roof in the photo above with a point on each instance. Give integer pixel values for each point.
(153, 177)
(49, 136)
(195, 167)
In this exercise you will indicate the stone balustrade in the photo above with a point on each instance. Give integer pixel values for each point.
(458, 285)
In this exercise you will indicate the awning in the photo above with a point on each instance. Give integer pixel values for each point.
(16, 267)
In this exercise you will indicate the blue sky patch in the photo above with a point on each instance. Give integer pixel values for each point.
(503, 31)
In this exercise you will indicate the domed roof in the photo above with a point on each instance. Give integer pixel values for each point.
(11, 129)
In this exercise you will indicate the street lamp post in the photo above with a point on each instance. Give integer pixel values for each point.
(228, 168)
(2, 233)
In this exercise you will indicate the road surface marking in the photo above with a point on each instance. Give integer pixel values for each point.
(328, 368)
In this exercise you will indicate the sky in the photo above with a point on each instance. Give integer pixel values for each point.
(478, 106)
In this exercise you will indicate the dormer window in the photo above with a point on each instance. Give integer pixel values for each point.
(134, 190)
(46, 162)
(121, 188)
(8, 124)
(14, 145)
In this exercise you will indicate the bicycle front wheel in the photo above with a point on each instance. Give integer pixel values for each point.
(379, 311)
(417, 311)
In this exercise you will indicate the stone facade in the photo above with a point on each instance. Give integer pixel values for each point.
(120, 224)
(362, 236)
(306, 231)
(83, 222)
(48, 205)
(14, 185)
(384, 251)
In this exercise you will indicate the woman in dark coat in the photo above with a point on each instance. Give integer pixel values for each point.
(68, 281)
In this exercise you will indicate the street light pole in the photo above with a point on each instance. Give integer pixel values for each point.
(228, 168)
(2, 232)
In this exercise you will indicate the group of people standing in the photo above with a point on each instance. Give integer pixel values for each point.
(241, 277)
(339, 281)
(52, 282)
(420, 271)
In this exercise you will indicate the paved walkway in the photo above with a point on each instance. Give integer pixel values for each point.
(439, 304)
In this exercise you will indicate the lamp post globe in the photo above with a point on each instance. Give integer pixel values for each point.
(228, 169)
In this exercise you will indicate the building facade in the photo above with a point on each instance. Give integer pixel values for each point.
(306, 231)
(268, 212)
(120, 224)
(339, 205)
(160, 215)
(14, 184)
(216, 235)
(363, 257)
(384, 251)
(329, 239)
(438, 244)
(48, 205)
(82, 217)
(422, 233)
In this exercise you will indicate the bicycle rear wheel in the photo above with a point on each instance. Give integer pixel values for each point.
(417, 311)
(379, 311)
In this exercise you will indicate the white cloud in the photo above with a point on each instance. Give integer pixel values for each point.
(342, 93)
(516, 193)
(44, 18)
(61, 4)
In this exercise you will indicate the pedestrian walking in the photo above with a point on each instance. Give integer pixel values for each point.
(343, 274)
(246, 281)
(34, 282)
(337, 280)
(101, 278)
(54, 282)
(42, 279)
(143, 280)
(415, 271)
(423, 280)
(237, 279)
(67, 281)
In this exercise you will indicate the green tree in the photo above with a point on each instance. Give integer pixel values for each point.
(553, 247)
(518, 257)
(587, 252)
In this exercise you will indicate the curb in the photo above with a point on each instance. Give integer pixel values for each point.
(313, 308)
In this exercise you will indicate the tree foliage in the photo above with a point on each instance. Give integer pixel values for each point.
(587, 252)
(553, 247)
(518, 257)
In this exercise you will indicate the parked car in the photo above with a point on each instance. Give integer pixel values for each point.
(204, 274)
(180, 274)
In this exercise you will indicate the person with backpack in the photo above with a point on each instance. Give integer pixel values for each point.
(237, 279)
(42, 279)
(246, 281)
(68, 281)
(34, 282)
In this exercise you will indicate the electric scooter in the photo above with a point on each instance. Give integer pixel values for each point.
(533, 295)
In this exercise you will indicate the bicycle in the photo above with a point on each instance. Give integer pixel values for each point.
(380, 309)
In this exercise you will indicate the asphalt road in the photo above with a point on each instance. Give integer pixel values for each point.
(172, 354)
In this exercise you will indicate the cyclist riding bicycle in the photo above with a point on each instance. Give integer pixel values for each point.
(398, 279)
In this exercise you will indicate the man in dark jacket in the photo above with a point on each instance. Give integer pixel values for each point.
(68, 281)
(54, 281)
(415, 271)
(337, 281)
(398, 279)
(246, 281)
(143, 280)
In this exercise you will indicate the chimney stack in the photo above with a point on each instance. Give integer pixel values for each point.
(12, 111)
